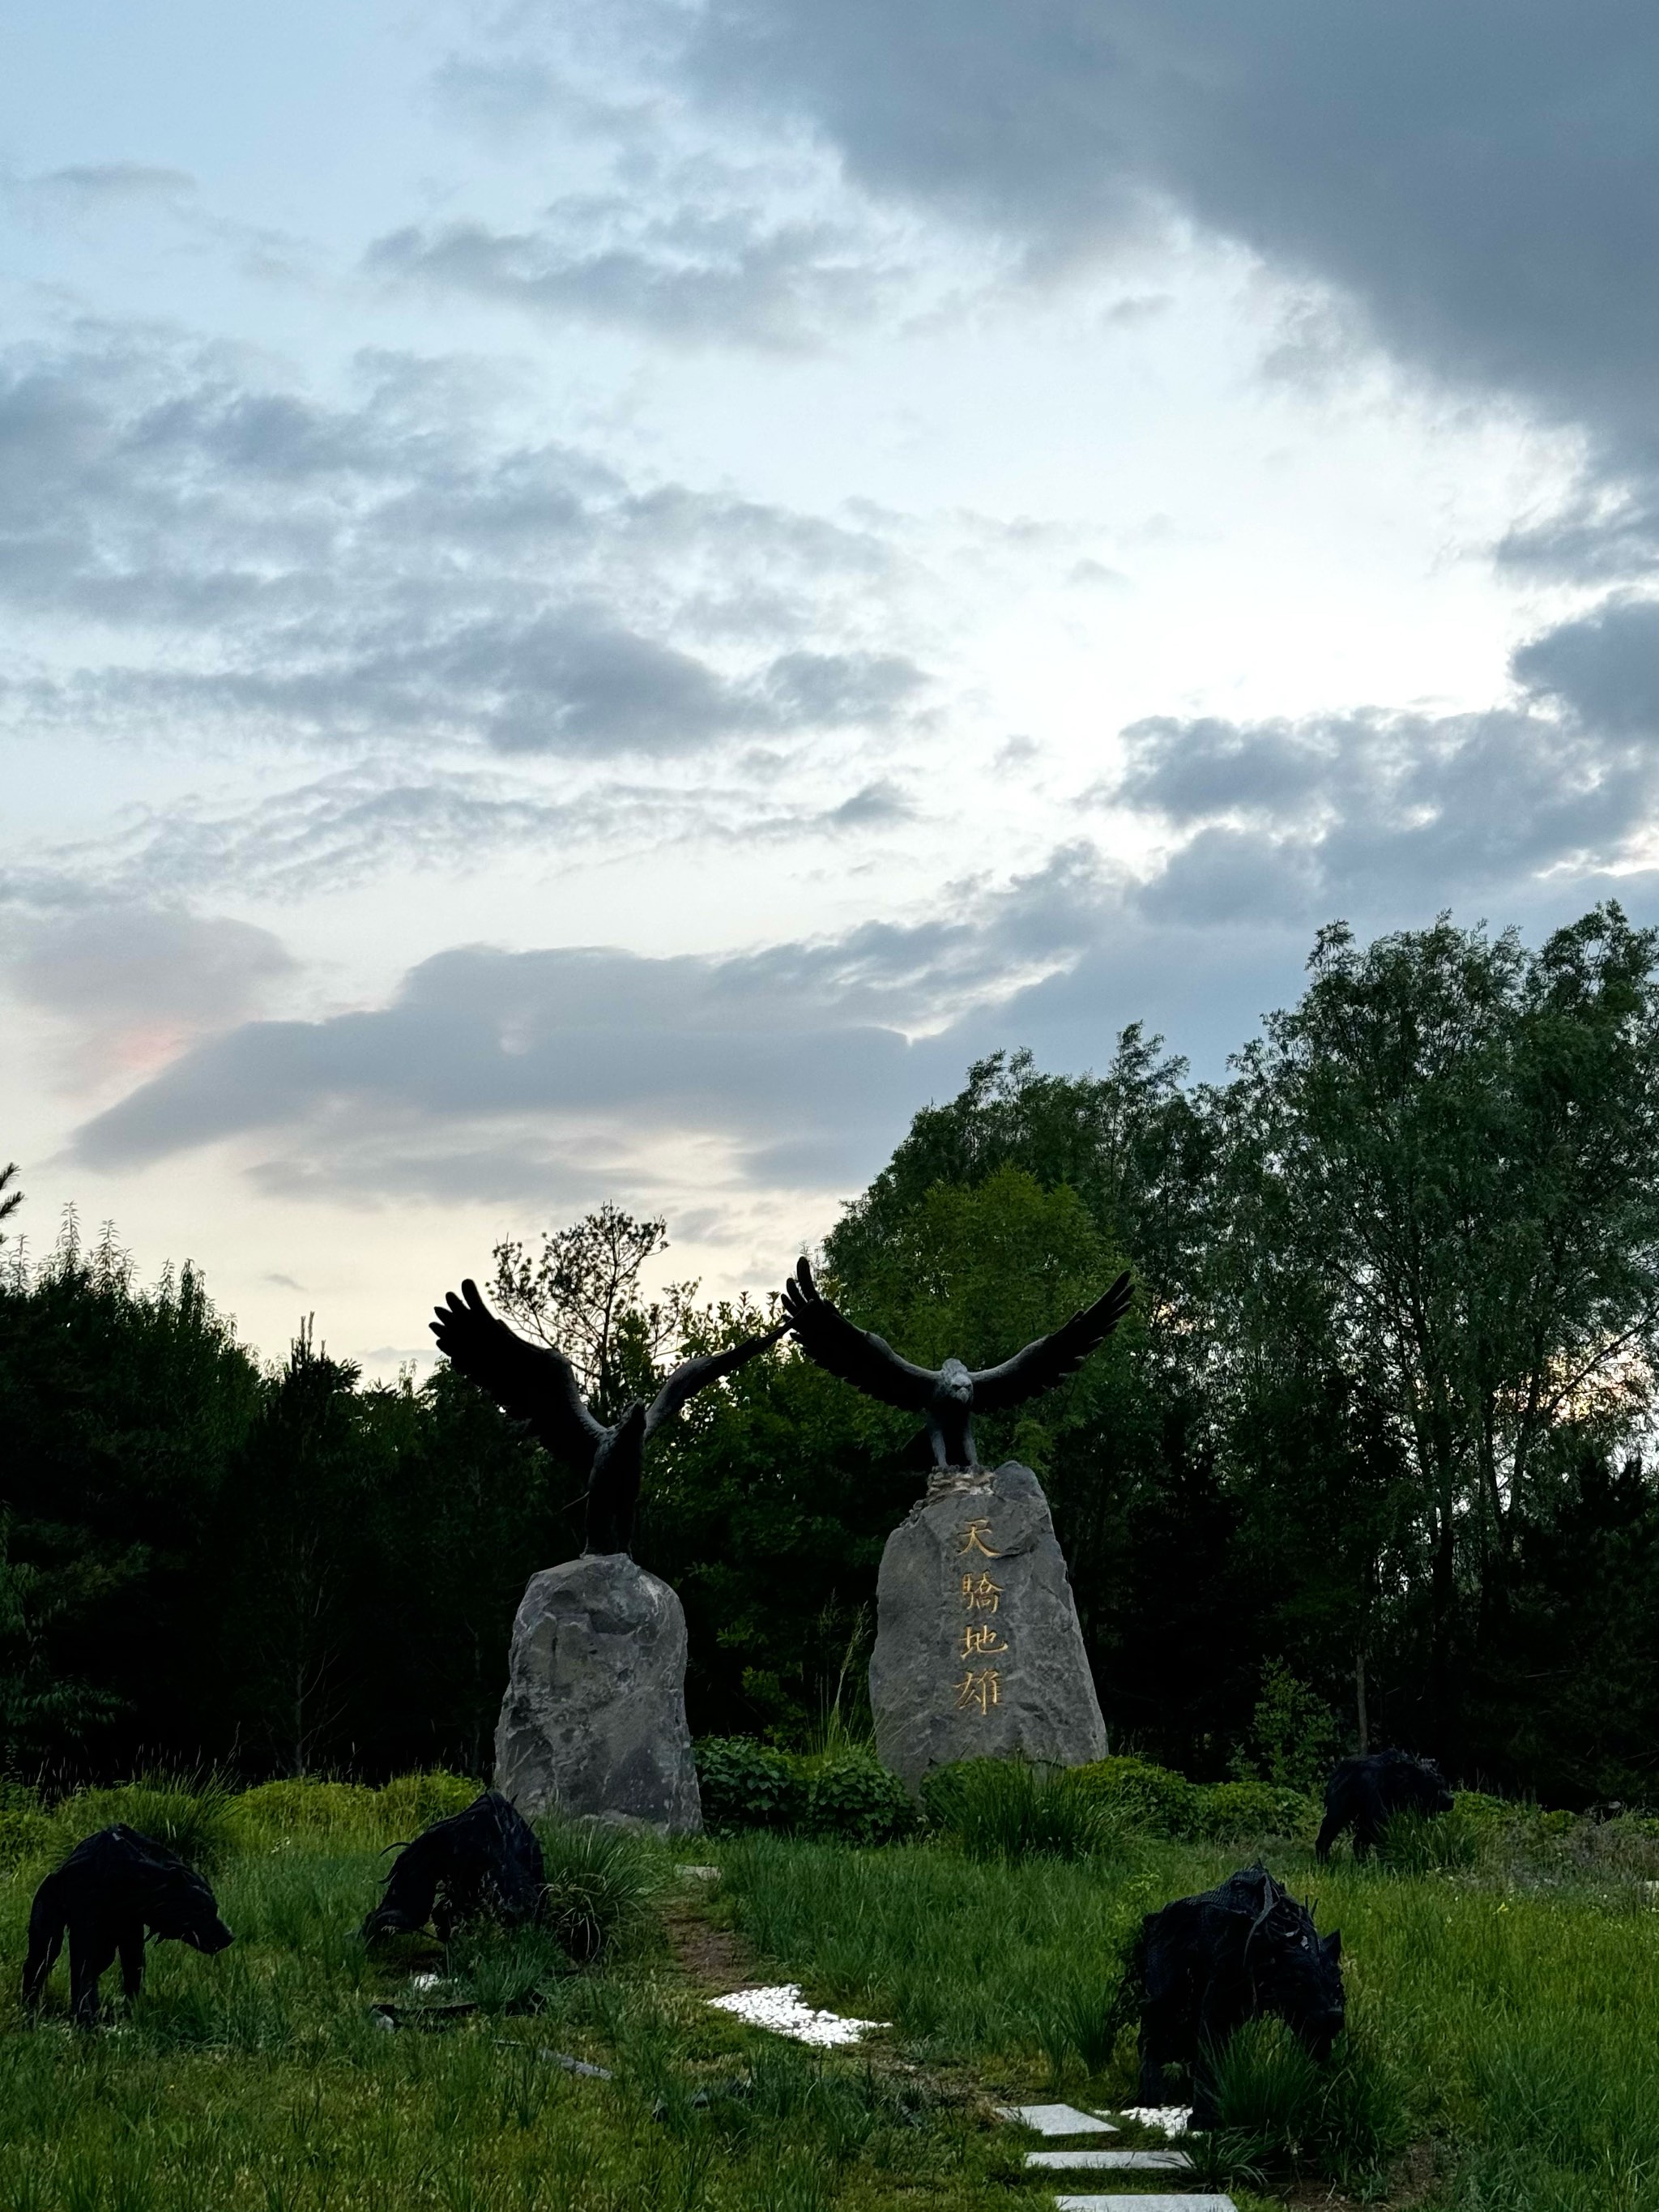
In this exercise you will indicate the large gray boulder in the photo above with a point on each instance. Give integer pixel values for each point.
(593, 1722)
(978, 1652)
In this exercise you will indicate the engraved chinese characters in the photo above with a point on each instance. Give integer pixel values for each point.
(978, 1652)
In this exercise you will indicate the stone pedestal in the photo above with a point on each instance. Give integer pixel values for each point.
(978, 1652)
(593, 1722)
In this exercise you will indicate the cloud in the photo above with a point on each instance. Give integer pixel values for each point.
(696, 276)
(1605, 666)
(260, 563)
(493, 1074)
(133, 984)
(343, 829)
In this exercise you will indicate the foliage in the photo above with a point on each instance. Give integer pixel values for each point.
(1145, 1796)
(1008, 1808)
(193, 1814)
(745, 1785)
(1279, 2115)
(1245, 1812)
(851, 1797)
(845, 1793)
(1293, 1733)
(410, 1802)
(580, 1293)
(599, 1880)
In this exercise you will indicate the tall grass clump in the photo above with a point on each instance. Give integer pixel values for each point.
(193, 1815)
(600, 1884)
(1279, 2115)
(1428, 1842)
(1009, 1809)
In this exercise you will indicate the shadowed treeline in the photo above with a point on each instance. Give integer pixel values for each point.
(1367, 1454)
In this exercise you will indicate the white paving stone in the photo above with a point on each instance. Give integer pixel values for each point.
(1113, 2162)
(1057, 2119)
(1124, 2203)
(786, 2012)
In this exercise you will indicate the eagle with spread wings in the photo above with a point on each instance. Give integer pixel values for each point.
(535, 1384)
(951, 1394)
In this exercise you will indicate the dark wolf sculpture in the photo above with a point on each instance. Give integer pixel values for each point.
(537, 1385)
(483, 1862)
(111, 1888)
(1362, 1793)
(949, 1396)
(1205, 1965)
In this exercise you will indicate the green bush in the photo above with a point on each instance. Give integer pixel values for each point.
(1240, 1812)
(1145, 1796)
(276, 1810)
(1418, 1842)
(1006, 1808)
(851, 1798)
(746, 1784)
(412, 1801)
(1278, 2114)
(192, 1815)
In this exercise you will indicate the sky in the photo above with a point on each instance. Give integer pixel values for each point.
(597, 599)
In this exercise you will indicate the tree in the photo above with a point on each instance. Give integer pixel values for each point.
(9, 1200)
(582, 1293)
(1442, 1181)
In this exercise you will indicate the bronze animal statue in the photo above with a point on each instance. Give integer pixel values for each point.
(951, 1394)
(535, 1384)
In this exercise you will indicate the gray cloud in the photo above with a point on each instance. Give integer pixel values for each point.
(491, 1073)
(1379, 812)
(278, 565)
(696, 277)
(130, 983)
(1605, 666)
(343, 828)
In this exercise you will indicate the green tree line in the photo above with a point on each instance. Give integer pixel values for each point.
(1369, 1460)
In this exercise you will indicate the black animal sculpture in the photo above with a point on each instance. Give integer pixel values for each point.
(1205, 1965)
(950, 1395)
(537, 1385)
(483, 1863)
(112, 1888)
(1362, 1793)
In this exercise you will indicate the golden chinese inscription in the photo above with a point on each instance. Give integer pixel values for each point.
(973, 1540)
(979, 1689)
(977, 1642)
(980, 1595)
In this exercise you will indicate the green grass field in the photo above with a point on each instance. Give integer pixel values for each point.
(1503, 2054)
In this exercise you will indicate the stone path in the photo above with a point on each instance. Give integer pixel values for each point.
(1124, 2203)
(1064, 2120)
(1057, 2119)
(1111, 2161)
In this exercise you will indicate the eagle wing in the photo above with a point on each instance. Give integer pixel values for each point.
(532, 1381)
(694, 1374)
(1051, 1358)
(857, 1355)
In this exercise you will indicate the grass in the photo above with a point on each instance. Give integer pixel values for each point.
(1503, 2001)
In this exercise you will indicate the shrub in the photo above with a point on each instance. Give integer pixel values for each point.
(851, 1798)
(413, 1802)
(1239, 1812)
(1143, 1795)
(192, 1815)
(746, 1784)
(1006, 1808)
(1280, 2114)
(304, 1807)
(598, 1879)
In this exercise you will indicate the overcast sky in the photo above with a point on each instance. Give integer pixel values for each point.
(598, 597)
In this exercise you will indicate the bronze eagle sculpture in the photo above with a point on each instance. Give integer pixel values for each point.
(535, 1384)
(951, 1394)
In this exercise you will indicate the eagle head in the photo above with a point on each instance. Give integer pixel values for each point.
(955, 1382)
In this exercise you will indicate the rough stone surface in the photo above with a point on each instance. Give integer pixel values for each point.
(978, 1651)
(593, 1722)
